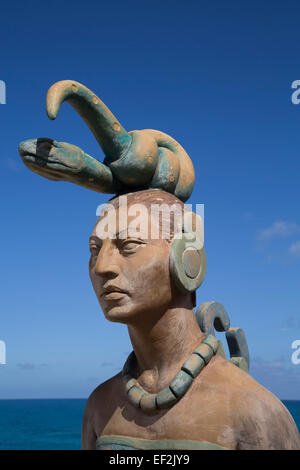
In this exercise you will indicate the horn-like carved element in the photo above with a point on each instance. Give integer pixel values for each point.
(211, 316)
(137, 159)
(109, 133)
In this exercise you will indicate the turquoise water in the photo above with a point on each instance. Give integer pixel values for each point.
(41, 424)
(55, 424)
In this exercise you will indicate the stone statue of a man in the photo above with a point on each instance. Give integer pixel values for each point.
(223, 408)
(177, 389)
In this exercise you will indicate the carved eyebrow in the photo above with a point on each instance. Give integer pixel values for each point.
(125, 234)
(93, 238)
(129, 233)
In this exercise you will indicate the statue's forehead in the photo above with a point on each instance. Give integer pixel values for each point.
(120, 222)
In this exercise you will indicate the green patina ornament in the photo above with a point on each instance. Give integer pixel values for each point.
(181, 383)
(205, 352)
(193, 365)
(135, 395)
(187, 264)
(148, 402)
(133, 443)
(211, 316)
(170, 395)
(133, 160)
(165, 398)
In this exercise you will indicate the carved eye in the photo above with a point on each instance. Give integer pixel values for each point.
(130, 245)
(94, 249)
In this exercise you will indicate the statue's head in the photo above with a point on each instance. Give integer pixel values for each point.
(134, 264)
(151, 168)
(143, 261)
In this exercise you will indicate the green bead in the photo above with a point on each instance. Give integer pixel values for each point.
(128, 382)
(212, 341)
(148, 402)
(135, 394)
(181, 383)
(193, 365)
(165, 398)
(205, 352)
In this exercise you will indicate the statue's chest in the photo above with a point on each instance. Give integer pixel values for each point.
(191, 423)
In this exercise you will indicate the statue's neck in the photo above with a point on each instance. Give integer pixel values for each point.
(163, 347)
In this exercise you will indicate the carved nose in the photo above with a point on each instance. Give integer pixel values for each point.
(106, 267)
(108, 271)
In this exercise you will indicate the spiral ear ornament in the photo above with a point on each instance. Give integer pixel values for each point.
(187, 265)
(135, 160)
(187, 255)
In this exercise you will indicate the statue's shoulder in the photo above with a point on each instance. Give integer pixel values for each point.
(260, 419)
(105, 395)
(266, 423)
(99, 408)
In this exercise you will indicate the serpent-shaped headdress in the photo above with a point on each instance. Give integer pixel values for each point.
(133, 160)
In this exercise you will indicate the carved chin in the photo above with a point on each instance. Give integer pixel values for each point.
(121, 312)
(117, 308)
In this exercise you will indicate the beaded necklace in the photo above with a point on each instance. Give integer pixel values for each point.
(171, 394)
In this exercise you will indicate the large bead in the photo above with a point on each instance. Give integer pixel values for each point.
(181, 383)
(148, 402)
(165, 398)
(205, 352)
(193, 365)
(211, 341)
(135, 394)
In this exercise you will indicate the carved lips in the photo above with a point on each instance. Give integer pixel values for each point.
(112, 293)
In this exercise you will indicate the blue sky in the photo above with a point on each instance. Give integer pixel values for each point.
(217, 77)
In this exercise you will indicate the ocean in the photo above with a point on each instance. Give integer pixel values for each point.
(55, 424)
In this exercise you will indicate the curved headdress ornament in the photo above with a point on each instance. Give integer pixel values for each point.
(133, 160)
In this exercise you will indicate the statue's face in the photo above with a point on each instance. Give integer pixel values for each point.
(130, 273)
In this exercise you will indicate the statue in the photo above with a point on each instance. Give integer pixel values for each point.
(177, 389)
